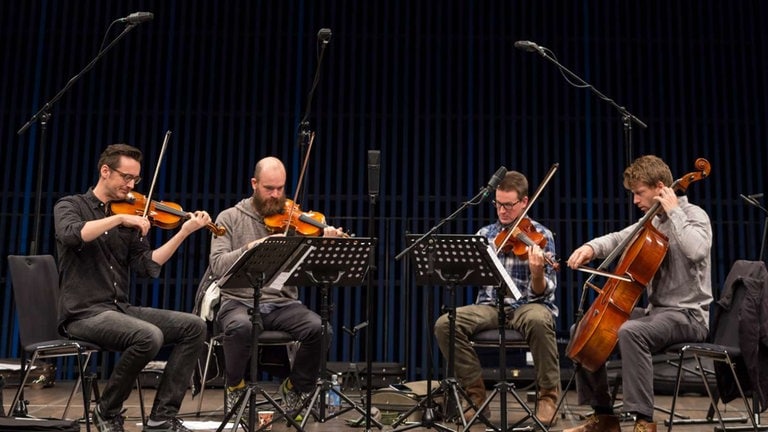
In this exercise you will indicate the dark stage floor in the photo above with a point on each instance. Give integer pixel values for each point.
(49, 402)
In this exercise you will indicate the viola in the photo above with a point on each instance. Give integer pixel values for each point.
(310, 223)
(642, 252)
(164, 215)
(520, 238)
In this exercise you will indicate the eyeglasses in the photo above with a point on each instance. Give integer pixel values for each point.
(127, 177)
(506, 206)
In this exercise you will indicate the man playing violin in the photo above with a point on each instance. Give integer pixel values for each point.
(533, 314)
(97, 253)
(279, 304)
(678, 295)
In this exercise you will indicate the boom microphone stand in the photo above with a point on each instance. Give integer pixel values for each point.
(627, 118)
(44, 117)
(305, 133)
(752, 200)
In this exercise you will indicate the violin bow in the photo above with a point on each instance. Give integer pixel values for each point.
(542, 185)
(157, 170)
(301, 180)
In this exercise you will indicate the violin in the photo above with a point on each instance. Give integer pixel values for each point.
(165, 215)
(521, 237)
(309, 224)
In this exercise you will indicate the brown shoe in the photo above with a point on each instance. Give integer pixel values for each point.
(598, 423)
(476, 394)
(546, 407)
(644, 426)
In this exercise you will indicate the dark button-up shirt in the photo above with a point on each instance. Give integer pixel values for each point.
(95, 276)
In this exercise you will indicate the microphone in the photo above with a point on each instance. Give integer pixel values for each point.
(750, 199)
(493, 183)
(374, 169)
(324, 35)
(528, 46)
(137, 18)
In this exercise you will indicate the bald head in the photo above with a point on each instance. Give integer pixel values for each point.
(269, 164)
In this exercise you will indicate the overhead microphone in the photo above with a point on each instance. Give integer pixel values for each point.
(137, 18)
(528, 46)
(324, 35)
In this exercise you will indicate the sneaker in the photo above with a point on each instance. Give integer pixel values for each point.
(232, 397)
(108, 424)
(292, 398)
(170, 425)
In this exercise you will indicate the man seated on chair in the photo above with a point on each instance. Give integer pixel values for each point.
(533, 314)
(279, 304)
(97, 252)
(679, 296)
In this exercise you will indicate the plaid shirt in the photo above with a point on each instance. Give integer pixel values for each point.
(520, 273)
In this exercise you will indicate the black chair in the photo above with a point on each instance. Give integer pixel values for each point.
(267, 338)
(35, 282)
(725, 351)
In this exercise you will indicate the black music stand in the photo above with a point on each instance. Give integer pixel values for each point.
(339, 262)
(453, 260)
(503, 386)
(275, 258)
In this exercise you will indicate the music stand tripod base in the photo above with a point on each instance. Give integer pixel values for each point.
(452, 260)
(332, 262)
(256, 268)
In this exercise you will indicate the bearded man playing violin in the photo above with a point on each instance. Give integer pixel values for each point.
(533, 314)
(279, 304)
(97, 252)
(679, 296)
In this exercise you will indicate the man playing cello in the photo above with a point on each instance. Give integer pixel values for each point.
(678, 295)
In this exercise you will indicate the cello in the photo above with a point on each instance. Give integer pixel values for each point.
(642, 252)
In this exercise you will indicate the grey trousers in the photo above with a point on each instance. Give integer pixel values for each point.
(139, 333)
(638, 339)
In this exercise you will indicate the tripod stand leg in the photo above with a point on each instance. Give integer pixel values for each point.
(427, 417)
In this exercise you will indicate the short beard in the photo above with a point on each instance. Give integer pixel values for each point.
(268, 207)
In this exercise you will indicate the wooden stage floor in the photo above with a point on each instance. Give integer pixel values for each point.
(49, 402)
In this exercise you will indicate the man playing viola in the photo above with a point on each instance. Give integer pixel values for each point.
(533, 314)
(97, 253)
(678, 295)
(279, 304)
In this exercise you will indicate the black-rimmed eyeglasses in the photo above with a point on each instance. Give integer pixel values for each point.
(505, 206)
(127, 177)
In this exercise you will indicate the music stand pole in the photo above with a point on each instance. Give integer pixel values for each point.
(256, 266)
(503, 386)
(339, 262)
(249, 396)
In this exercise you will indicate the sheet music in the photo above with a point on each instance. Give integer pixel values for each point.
(506, 279)
(282, 277)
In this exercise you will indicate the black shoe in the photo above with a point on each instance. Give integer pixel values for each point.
(170, 425)
(108, 424)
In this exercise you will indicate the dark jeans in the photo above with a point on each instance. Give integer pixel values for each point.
(139, 333)
(295, 319)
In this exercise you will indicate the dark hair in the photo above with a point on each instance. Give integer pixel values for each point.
(111, 155)
(514, 181)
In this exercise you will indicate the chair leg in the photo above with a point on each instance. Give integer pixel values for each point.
(141, 402)
(204, 377)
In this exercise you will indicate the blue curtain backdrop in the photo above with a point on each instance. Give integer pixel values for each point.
(437, 86)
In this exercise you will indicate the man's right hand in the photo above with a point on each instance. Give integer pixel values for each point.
(581, 256)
